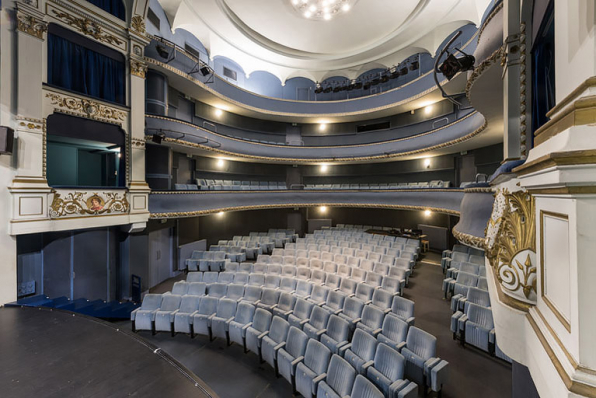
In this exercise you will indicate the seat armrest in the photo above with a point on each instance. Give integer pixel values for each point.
(302, 322)
(462, 322)
(438, 375)
(367, 365)
(297, 361)
(367, 302)
(257, 302)
(319, 378)
(355, 321)
(341, 344)
(341, 350)
(265, 333)
(133, 314)
(320, 332)
(280, 345)
(212, 316)
(492, 336)
(249, 324)
(153, 313)
(229, 320)
(410, 321)
(336, 312)
(388, 310)
(376, 332)
(401, 345)
(273, 306)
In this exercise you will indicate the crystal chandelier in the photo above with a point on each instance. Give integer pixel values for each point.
(322, 9)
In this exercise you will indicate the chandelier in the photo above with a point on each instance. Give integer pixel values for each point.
(322, 9)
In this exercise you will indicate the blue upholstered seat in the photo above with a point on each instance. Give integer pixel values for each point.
(312, 369)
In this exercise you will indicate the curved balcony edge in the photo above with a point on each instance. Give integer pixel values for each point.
(477, 206)
(226, 91)
(459, 131)
(163, 205)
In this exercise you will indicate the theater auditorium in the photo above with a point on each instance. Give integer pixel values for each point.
(298, 198)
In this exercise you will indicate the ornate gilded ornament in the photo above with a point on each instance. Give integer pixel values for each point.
(31, 25)
(522, 92)
(85, 204)
(137, 24)
(511, 244)
(138, 68)
(88, 27)
(137, 143)
(500, 54)
(88, 108)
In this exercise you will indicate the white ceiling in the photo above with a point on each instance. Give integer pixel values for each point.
(269, 35)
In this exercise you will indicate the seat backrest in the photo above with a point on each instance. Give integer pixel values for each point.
(245, 313)
(374, 279)
(381, 269)
(459, 257)
(210, 277)
(394, 328)
(382, 298)
(389, 362)
(364, 388)
(287, 284)
(278, 331)
(476, 259)
(340, 376)
(303, 288)
(353, 308)
(262, 320)
(372, 316)
(270, 296)
(463, 278)
(364, 344)
(252, 293)
(235, 291)
(359, 275)
(303, 273)
(347, 286)
(421, 343)
(241, 277)
(367, 265)
(296, 342)
(319, 317)
(256, 279)
(319, 293)
(226, 277)
(180, 288)
(272, 281)
(333, 281)
(403, 263)
(226, 308)
(197, 288)
(316, 357)
(194, 277)
(338, 329)
(286, 302)
(364, 292)
(170, 302)
(303, 309)
(402, 307)
(336, 300)
(482, 284)
(469, 268)
(208, 305)
(259, 268)
(217, 289)
(189, 304)
(274, 269)
(480, 315)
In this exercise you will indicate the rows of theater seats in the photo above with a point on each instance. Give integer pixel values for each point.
(237, 185)
(310, 317)
(472, 319)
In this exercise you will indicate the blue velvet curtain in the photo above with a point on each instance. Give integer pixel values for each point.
(114, 7)
(543, 72)
(74, 67)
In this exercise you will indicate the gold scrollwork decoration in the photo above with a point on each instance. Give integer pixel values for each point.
(138, 68)
(89, 108)
(511, 244)
(137, 24)
(88, 27)
(82, 203)
(31, 25)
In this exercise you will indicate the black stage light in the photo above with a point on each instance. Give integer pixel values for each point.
(403, 71)
(206, 70)
(318, 89)
(162, 51)
(452, 65)
(358, 85)
(384, 78)
(366, 86)
(337, 89)
(157, 138)
(394, 75)
(414, 65)
(375, 81)
(328, 89)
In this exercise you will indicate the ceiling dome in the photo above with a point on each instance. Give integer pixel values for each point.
(317, 39)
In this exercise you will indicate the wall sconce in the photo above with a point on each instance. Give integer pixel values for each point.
(324, 168)
(428, 110)
(218, 112)
(221, 163)
(427, 213)
(323, 209)
(220, 214)
(322, 127)
(427, 163)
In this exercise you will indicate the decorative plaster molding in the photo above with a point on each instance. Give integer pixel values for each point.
(87, 204)
(87, 108)
(434, 190)
(138, 68)
(88, 27)
(490, 17)
(137, 24)
(511, 244)
(523, 116)
(31, 25)
(469, 240)
(499, 55)
(479, 190)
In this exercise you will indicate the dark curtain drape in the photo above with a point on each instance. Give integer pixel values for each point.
(114, 7)
(74, 67)
(543, 71)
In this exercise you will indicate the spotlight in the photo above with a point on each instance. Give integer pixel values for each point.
(358, 85)
(427, 163)
(337, 89)
(384, 78)
(414, 65)
(428, 110)
(366, 86)
(427, 213)
(158, 138)
(328, 89)
(318, 89)
(322, 127)
(220, 214)
(403, 71)
(323, 209)
(452, 66)
(375, 81)
(324, 168)
(218, 112)
(221, 163)
(162, 51)
(206, 70)
(394, 74)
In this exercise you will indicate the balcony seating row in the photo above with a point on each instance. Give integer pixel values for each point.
(472, 319)
(260, 327)
(393, 185)
(238, 185)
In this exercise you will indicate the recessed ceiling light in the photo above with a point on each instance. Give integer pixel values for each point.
(324, 168)
(220, 214)
(428, 110)
(307, 14)
(221, 163)
(218, 112)
(312, 8)
(428, 213)
(327, 17)
(346, 7)
(322, 127)
(323, 209)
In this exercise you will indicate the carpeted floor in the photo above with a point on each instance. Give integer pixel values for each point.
(231, 373)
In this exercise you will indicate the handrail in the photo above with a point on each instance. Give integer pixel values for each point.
(183, 135)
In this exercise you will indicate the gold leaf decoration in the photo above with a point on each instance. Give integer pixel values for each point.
(85, 204)
(88, 27)
(91, 109)
(137, 24)
(31, 25)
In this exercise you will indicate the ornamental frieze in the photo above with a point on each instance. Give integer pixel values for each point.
(88, 204)
(88, 108)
